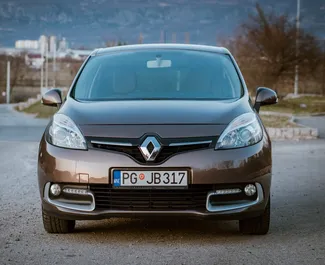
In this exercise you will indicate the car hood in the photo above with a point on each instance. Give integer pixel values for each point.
(145, 112)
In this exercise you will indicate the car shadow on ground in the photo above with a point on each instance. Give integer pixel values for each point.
(178, 230)
(286, 220)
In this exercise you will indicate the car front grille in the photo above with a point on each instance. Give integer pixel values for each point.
(169, 147)
(192, 198)
(165, 153)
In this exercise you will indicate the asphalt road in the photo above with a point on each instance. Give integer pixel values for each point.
(16, 126)
(297, 234)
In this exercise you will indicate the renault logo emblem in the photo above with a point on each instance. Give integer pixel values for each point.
(150, 148)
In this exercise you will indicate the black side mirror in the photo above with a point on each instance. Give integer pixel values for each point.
(265, 96)
(52, 98)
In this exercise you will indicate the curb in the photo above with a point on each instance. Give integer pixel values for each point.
(24, 105)
(303, 133)
(273, 113)
(318, 114)
(14, 107)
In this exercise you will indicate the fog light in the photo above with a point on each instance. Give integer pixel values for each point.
(250, 190)
(75, 191)
(55, 189)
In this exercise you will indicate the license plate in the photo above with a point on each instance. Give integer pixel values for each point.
(138, 178)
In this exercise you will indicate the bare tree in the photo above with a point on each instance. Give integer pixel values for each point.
(18, 70)
(2, 69)
(2, 77)
(266, 43)
(140, 39)
(109, 43)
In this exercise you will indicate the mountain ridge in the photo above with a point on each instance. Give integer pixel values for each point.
(91, 23)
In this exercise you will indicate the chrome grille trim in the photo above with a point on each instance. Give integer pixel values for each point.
(190, 143)
(112, 143)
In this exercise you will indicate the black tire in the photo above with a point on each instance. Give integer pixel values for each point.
(57, 226)
(257, 225)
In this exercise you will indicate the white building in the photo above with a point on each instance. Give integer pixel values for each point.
(63, 45)
(53, 44)
(34, 60)
(43, 43)
(26, 44)
(11, 51)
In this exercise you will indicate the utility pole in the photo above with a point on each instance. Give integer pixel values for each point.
(187, 37)
(163, 36)
(54, 64)
(140, 40)
(174, 37)
(47, 65)
(8, 83)
(296, 87)
(323, 85)
(42, 69)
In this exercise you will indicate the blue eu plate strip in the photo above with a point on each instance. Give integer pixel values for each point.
(117, 178)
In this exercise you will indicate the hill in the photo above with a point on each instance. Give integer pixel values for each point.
(91, 22)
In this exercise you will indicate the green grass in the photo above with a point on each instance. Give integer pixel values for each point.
(273, 121)
(313, 105)
(40, 110)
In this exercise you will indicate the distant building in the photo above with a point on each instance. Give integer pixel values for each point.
(26, 44)
(33, 50)
(63, 45)
(53, 44)
(43, 43)
(75, 54)
(34, 60)
(11, 51)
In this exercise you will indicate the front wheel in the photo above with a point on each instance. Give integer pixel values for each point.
(57, 226)
(258, 225)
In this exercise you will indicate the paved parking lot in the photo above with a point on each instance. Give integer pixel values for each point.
(297, 234)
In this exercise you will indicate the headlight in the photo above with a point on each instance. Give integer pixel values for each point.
(243, 131)
(63, 132)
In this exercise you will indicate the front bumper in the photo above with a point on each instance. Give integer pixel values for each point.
(244, 165)
(235, 210)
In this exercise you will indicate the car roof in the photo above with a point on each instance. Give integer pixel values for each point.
(133, 47)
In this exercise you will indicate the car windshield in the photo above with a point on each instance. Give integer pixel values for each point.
(158, 74)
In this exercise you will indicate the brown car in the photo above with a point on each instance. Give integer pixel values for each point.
(156, 130)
